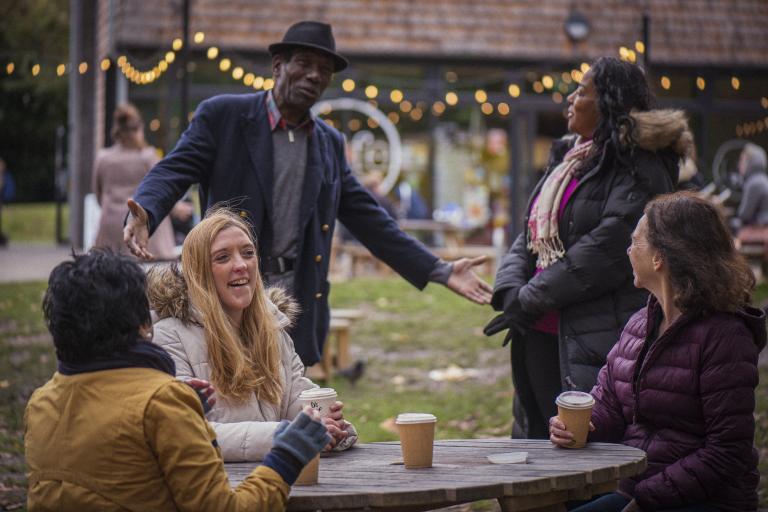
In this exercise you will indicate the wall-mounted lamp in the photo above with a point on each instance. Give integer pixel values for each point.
(576, 26)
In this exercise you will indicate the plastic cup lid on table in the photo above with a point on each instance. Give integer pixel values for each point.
(318, 393)
(415, 417)
(575, 400)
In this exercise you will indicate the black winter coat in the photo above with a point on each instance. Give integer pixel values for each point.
(592, 285)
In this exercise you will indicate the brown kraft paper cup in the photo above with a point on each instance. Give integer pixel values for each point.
(574, 409)
(309, 474)
(417, 437)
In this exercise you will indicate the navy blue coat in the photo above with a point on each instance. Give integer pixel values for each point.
(227, 149)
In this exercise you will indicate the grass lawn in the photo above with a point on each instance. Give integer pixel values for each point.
(404, 335)
(33, 222)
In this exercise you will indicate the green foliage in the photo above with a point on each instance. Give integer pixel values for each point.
(32, 107)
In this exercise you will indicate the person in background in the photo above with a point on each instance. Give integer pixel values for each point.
(286, 172)
(753, 208)
(218, 324)
(690, 178)
(410, 204)
(116, 173)
(680, 383)
(565, 286)
(114, 430)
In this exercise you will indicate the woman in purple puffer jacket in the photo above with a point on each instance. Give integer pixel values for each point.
(680, 383)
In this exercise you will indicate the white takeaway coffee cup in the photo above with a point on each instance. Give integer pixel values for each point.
(320, 399)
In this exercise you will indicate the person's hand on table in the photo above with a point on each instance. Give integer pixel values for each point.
(558, 433)
(303, 437)
(336, 425)
(336, 411)
(465, 282)
(136, 231)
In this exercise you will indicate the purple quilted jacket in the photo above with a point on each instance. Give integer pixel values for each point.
(687, 399)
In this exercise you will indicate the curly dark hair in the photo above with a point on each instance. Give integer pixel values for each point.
(621, 88)
(95, 305)
(707, 272)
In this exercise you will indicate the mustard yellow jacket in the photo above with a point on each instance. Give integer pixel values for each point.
(131, 439)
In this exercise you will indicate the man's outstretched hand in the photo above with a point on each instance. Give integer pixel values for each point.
(136, 231)
(465, 282)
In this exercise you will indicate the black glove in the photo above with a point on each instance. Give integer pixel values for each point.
(513, 318)
(498, 324)
(303, 438)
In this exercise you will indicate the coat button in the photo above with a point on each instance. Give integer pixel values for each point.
(318, 295)
(243, 213)
(319, 258)
(325, 227)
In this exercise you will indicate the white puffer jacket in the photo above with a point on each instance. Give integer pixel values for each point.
(244, 431)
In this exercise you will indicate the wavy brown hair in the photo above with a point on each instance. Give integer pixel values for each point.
(707, 272)
(242, 361)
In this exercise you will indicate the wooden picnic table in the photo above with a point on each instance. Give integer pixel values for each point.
(371, 477)
(448, 235)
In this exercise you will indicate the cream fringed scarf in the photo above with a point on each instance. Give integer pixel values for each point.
(543, 238)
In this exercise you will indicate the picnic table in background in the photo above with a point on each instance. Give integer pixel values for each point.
(446, 240)
(371, 477)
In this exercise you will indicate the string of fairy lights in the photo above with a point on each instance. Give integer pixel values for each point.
(556, 85)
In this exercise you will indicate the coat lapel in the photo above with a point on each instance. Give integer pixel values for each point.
(258, 138)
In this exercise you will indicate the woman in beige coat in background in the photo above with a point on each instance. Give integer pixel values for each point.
(219, 324)
(116, 174)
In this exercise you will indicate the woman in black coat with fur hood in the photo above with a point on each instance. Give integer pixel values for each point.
(565, 286)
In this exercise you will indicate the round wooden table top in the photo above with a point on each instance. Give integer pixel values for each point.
(372, 476)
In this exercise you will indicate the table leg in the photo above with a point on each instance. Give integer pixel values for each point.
(327, 359)
(593, 490)
(550, 502)
(342, 349)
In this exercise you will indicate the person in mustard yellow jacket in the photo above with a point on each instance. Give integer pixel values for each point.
(114, 430)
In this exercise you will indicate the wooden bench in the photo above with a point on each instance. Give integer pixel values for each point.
(350, 260)
(470, 251)
(336, 356)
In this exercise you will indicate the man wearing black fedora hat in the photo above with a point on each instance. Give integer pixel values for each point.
(266, 155)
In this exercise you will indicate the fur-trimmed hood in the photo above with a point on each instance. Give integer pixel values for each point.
(168, 297)
(663, 129)
(655, 130)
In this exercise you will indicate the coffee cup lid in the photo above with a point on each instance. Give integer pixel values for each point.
(575, 400)
(415, 417)
(318, 393)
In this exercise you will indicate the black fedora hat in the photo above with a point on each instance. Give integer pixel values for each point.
(314, 35)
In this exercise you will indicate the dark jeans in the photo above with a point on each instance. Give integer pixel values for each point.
(536, 375)
(614, 502)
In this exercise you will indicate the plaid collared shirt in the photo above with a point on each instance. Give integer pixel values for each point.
(276, 119)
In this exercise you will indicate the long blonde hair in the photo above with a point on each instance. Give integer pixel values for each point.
(241, 362)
